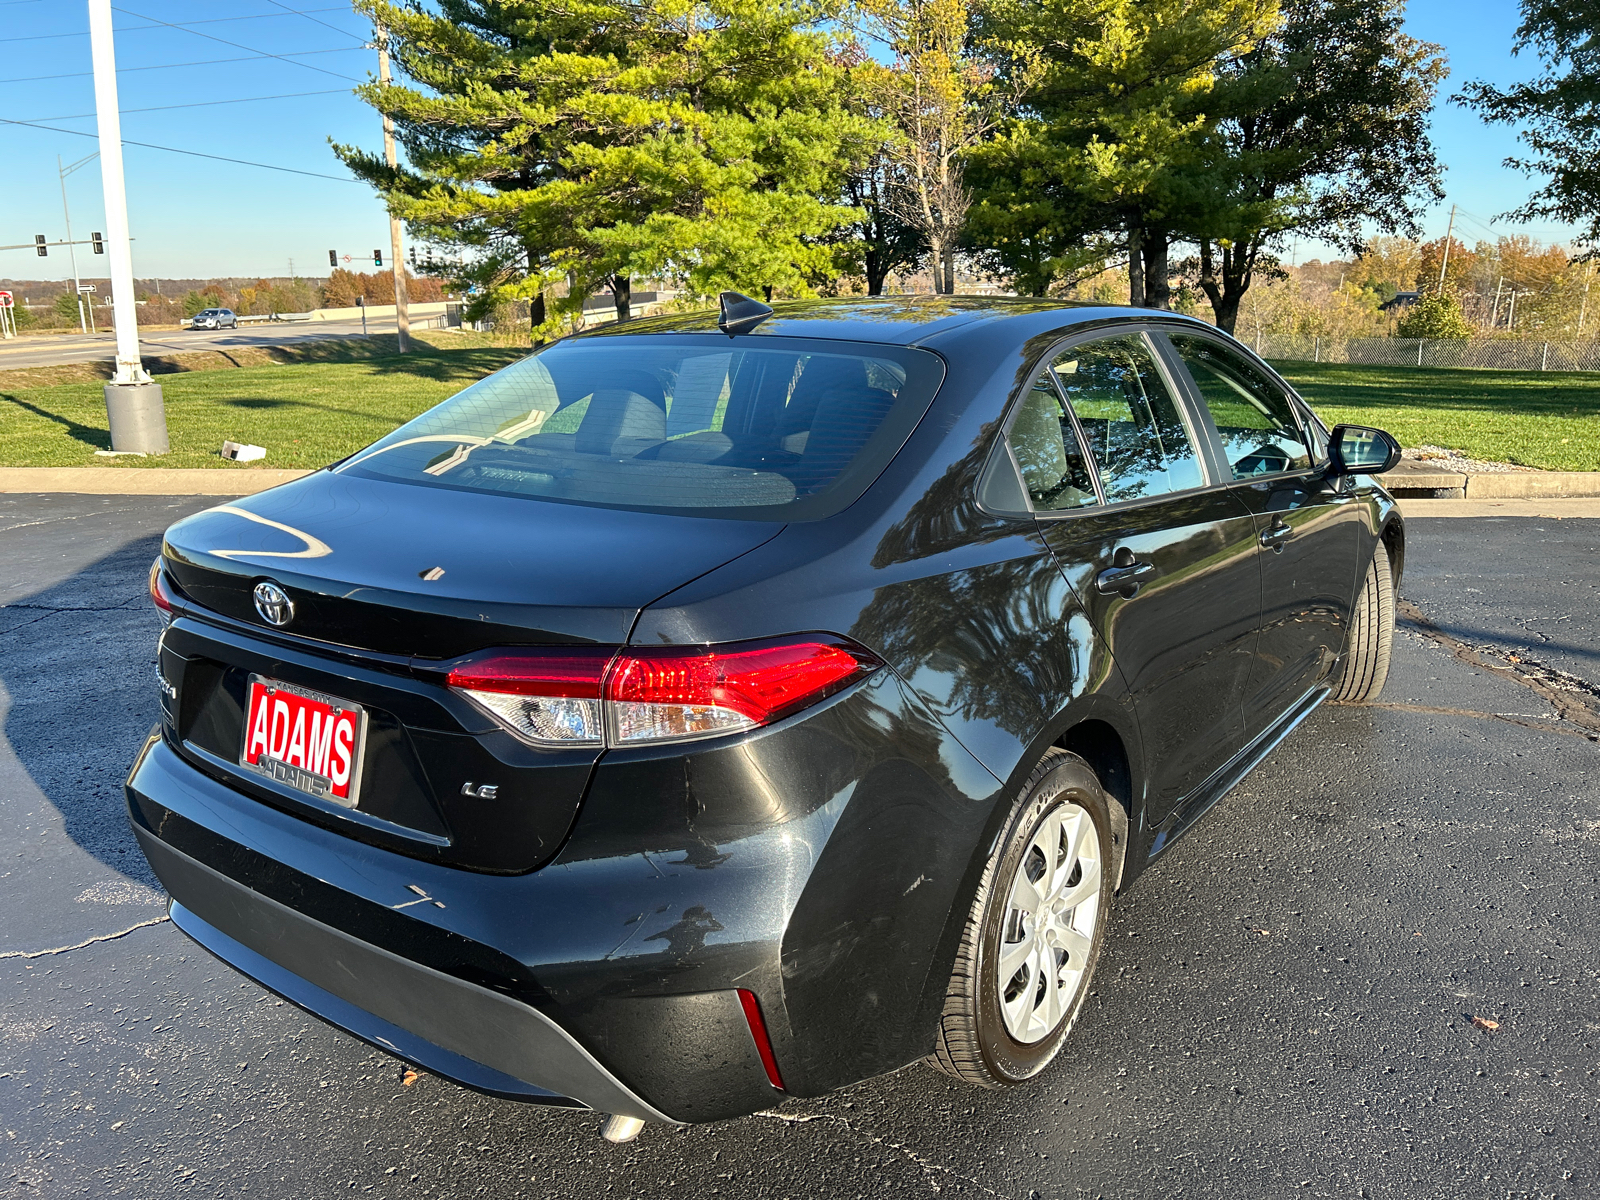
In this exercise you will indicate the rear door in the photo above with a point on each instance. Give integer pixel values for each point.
(1309, 531)
(1162, 560)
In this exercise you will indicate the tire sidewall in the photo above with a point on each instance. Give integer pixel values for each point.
(1069, 781)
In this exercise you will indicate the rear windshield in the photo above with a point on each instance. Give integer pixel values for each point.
(770, 428)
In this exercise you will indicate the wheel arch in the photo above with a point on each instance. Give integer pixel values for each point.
(1099, 744)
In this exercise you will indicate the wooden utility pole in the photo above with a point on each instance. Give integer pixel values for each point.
(1445, 262)
(402, 315)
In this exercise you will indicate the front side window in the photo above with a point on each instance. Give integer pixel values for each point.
(1255, 418)
(1129, 418)
(765, 428)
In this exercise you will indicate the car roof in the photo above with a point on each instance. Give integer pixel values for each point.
(892, 320)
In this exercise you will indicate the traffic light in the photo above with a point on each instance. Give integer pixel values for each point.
(98, 243)
(39, 247)
(333, 258)
(377, 258)
(413, 251)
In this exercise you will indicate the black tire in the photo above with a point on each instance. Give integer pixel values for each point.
(974, 1044)
(1366, 658)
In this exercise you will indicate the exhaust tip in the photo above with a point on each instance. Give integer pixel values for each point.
(620, 1130)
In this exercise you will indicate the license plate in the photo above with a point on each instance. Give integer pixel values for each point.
(309, 741)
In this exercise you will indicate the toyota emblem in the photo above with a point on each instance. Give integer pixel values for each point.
(273, 603)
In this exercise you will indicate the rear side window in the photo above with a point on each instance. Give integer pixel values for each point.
(1047, 451)
(1129, 418)
(1255, 419)
(766, 428)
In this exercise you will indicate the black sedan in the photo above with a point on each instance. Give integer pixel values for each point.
(708, 710)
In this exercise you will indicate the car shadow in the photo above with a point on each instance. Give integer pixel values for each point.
(77, 661)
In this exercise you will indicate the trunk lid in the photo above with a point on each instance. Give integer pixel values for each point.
(388, 582)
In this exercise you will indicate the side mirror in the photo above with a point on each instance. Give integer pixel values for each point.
(1357, 450)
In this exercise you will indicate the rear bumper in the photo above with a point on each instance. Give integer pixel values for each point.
(448, 1025)
(294, 908)
(824, 864)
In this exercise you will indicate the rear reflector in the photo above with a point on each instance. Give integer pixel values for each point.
(758, 1030)
(600, 696)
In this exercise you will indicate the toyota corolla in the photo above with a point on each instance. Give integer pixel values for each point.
(720, 708)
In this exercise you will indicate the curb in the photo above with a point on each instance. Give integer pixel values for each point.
(1416, 480)
(138, 481)
(1558, 508)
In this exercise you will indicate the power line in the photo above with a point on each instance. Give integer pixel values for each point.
(244, 162)
(45, 37)
(307, 15)
(205, 62)
(236, 45)
(203, 104)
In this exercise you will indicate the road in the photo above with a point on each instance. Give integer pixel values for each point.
(59, 349)
(1297, 1001)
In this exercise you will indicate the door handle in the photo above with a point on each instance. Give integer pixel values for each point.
(1124, 580)
(1274, 538)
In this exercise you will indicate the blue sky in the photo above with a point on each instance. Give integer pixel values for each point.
(194, 217)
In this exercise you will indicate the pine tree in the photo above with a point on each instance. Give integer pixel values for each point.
(604, 141)
(1109, 138)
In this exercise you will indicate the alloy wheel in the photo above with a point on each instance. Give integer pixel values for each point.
(1052, 905)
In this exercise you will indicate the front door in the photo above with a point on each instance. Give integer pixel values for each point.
(1164, 564)
(1309, 530)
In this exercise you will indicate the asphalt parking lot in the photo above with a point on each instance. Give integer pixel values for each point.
(1374, 971)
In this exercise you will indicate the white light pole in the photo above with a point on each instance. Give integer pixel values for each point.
(133, 403)
(402, 314)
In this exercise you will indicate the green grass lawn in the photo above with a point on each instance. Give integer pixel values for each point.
(1536, 418)
(311, 413)
(306, 414)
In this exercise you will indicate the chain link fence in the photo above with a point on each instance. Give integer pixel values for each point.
(1494, 354)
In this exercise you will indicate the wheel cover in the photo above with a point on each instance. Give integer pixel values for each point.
(1052, 908)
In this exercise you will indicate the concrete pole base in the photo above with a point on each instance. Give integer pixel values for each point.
(138, 417)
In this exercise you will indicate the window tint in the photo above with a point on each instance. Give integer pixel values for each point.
(1128, 417)
(1260, 435)
(780, 428)
(1047, 450)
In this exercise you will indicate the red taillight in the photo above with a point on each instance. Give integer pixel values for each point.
(160, 590)
(574, 673)
(667, 694)
(659, 694)
(758, 1030)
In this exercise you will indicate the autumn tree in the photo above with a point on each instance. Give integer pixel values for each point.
(939, 97)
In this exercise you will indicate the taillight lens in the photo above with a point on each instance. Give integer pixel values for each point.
(657, 694)
(547, 698)
(670, 695)
(160, 591)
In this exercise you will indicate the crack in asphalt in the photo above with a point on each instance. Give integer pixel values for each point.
(1575, 701)
(929, 1169)
(104, 937)
(46, 611)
